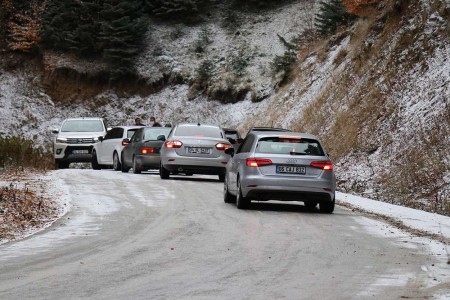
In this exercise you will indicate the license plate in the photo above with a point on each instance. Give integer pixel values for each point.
(80, 151)
(291, 170)
(198, 150)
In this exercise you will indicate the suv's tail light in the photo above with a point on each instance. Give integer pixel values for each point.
(173, 144)
(146, 150)
(258, 162)
(223, 146)
(324, 165)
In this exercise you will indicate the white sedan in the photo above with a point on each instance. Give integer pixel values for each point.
(107, 152)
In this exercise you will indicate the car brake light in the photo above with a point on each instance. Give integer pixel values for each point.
(324, 165)
(223, 146)
(173, 144)
(124, 143)
(258, 162)
(146, 150)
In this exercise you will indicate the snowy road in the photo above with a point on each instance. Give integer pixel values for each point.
(137, 237)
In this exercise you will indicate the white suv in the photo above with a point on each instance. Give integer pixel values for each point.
(75, 140)
(108, 151)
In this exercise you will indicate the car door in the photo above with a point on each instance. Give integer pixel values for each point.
(239, 161)
(127, 134)
(101, 147)
(109, 144)
(135, 144)
(131, 148)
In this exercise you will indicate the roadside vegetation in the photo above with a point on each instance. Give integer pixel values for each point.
(23, 205)
(23, 208)
(18, 154)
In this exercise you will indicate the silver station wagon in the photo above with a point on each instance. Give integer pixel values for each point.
(282, 166)
(195, 149)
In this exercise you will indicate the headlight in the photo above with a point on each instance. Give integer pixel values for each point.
(95, 139)
(61, 140)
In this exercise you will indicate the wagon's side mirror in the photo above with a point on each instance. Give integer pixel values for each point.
(55, 130)
(230, 151)
(161, 137)
(100, 138)
(239, 140)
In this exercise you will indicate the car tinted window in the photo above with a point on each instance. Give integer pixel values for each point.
(232, 134)
(289, 145)
(246, 146)
(82, 126)
(137, 136)
(109, 134)
(151, 134)
(130, 133)
(119, 133)
(199, 131)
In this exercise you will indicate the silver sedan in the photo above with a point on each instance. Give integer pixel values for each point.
(195, 149)
(282, 166)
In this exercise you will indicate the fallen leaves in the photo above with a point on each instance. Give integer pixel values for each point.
(24, 207)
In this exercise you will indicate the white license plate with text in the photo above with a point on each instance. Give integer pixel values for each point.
(291, 170)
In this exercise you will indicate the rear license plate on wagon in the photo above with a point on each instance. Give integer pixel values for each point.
(198, 150)
(291, 170)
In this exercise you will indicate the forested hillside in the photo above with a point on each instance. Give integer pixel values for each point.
(370, 77)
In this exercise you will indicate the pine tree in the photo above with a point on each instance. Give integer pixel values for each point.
(331, 14)
(174, 9)
(122, 32)
(60, 21)
(259, 4)
(84, 40)
(73, 26)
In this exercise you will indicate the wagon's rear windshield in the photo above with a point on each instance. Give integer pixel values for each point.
(289, 145)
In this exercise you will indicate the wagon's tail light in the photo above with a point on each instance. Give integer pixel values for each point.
(258, 162)
(147, 150)
(173, 144)
(324, 165)
(223, 146)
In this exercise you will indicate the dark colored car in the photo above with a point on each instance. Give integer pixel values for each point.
(233, 136)
(143, 150)
(265, 129)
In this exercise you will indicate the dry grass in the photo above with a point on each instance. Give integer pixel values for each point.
(417, 176)
(340, 57)
(19, 153)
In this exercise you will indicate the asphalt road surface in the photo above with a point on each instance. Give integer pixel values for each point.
(133, 236)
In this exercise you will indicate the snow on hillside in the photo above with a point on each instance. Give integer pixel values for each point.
(255, 34)
(410, 70)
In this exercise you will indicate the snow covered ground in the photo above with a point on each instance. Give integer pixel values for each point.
(53, 194)
(433, 224)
